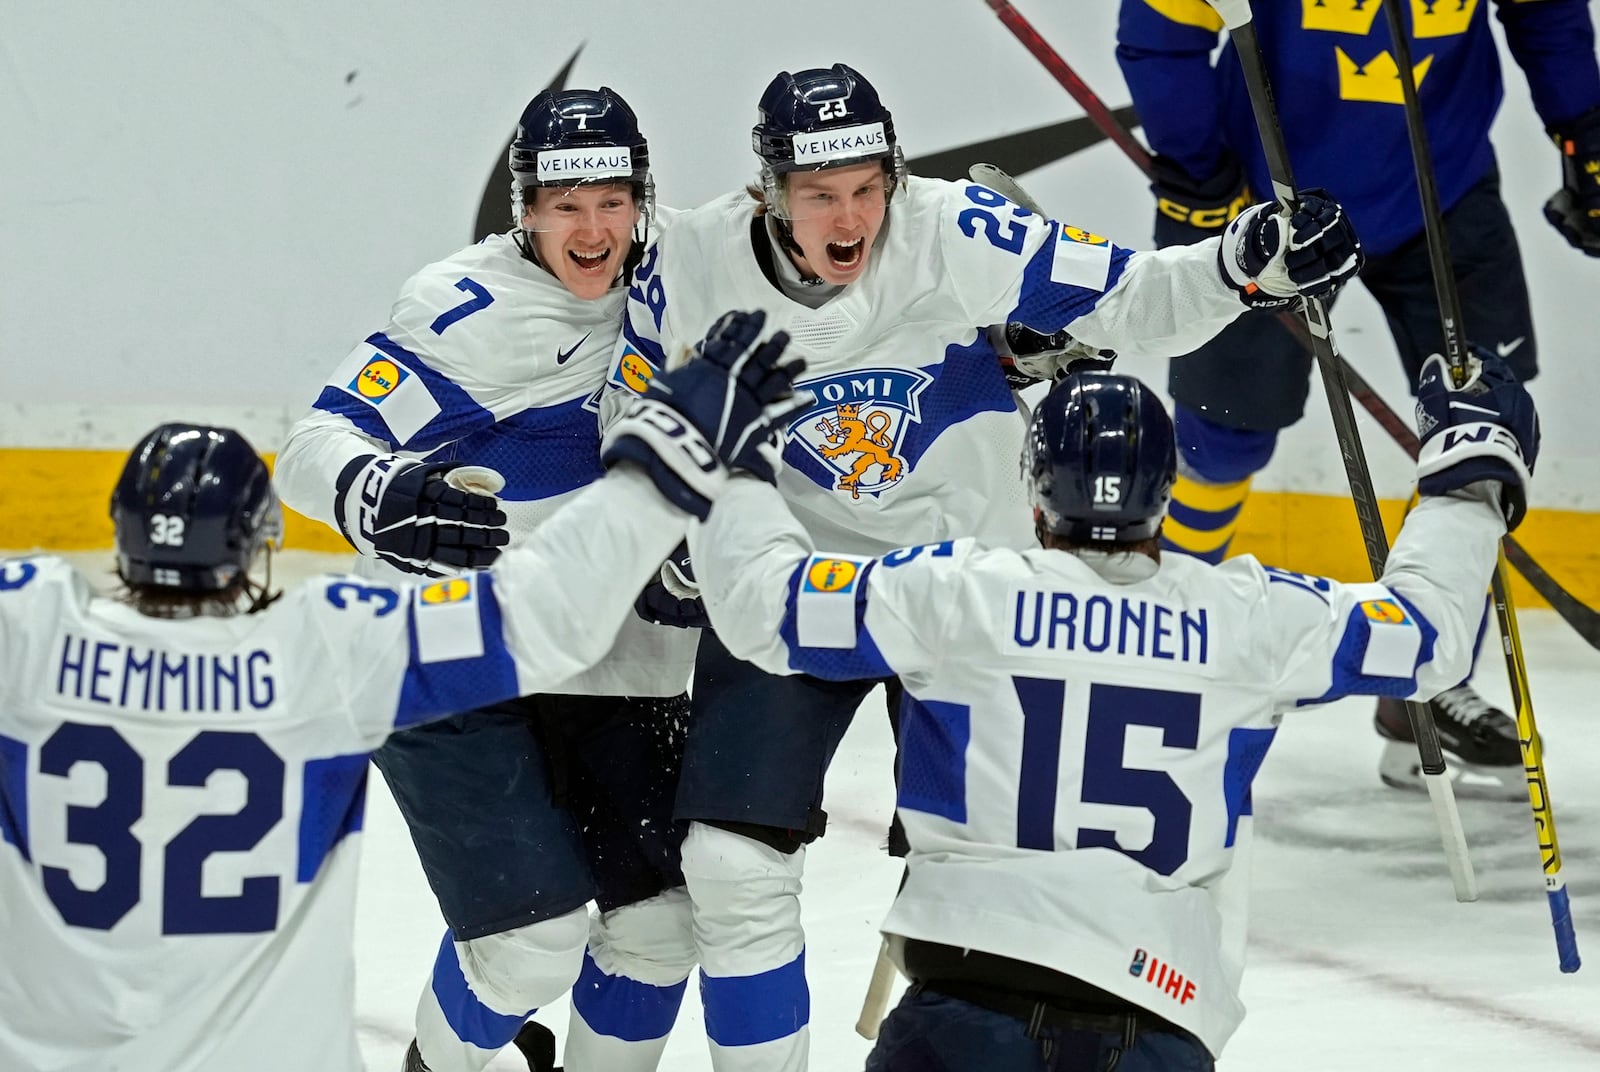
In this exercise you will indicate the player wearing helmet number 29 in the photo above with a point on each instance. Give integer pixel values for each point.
(458, 429)
(892, 287)
(1083, 719)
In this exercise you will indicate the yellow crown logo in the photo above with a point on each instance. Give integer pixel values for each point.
(1339, 16)
(1379, 80)
(849, 409)
(1441, 18)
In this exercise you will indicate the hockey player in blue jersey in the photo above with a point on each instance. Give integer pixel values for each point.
(183, 770)
(487, 377)
(1346, 130)
(1082, 720)
(889, 285)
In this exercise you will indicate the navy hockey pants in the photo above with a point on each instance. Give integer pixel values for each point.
(930, 1032)
(527, 810)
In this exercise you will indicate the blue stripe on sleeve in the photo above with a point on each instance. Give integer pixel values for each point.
(14, 794)
(1046, 305)
(1347, 678)
(433, 690)
(933, 757)
(541, 452)
(746, 1010)
(459, 414)
(863, 661)
(335, 796)
(471, 1020)
(1246, 750)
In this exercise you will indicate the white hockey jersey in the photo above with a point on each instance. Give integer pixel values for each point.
(914, 434)
(177, 797)
(487, 360)
(1076, 754)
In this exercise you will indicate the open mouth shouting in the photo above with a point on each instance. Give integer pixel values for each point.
(846, 256)
(590, 262)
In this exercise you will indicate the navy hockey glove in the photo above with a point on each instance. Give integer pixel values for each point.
(1575, 208)
(1321, 253)
(720, 407)
(1028, 357)
(673, 597)
(406, 513)
(1188, 211)
(1485, 429)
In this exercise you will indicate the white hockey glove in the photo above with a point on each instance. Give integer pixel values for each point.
(1321, 254)
(719, 409)
(1484, 430)
(411, 515)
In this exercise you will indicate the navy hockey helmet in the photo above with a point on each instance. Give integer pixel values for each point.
(1100, 459)
(570, 137)
(819, 118)
(192, 509)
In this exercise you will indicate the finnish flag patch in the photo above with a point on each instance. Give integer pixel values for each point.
(1080, 259)
(1393, 639)
(447, 621)
(825, 604)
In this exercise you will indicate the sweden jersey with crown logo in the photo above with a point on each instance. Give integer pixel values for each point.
(1077, 747)
(914, 432)
(1339, 94)
(487, 360)
(179, 799)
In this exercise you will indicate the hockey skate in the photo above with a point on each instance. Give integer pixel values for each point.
(1483, 756)
(537, 1043)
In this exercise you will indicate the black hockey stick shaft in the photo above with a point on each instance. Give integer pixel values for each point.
(1236, 15)
(1449, 295)
(1577, 614)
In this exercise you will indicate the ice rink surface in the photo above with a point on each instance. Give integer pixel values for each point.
(1360, 958)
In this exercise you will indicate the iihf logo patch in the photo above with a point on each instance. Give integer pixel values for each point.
(858, 424)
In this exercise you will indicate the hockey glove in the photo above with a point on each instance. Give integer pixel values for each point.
(720, 407)
(1485, 429)
(673, 597)
(1575, 208)
(1188, 211)
(1028, 357)
(1272, 257)
(406, 513)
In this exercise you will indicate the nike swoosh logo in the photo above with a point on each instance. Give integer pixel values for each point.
(562, 355)
(1504, 349)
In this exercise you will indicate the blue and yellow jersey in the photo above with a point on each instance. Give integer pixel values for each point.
(1338, 92)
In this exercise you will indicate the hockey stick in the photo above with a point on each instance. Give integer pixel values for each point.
(1450, 316)
(1237, 17)
(876, 1002)
(1582, 618)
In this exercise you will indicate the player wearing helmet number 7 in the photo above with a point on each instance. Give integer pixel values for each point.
(889, 285)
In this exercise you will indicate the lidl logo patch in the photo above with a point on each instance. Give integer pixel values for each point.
(1077, 234)
(450, 590)
(634, 371)
(378, 378)
(830, 575)
(1385, 610)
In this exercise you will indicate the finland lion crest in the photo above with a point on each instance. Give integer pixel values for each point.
(858, 425)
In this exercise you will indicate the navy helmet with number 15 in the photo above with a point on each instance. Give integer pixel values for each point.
(1100, 459)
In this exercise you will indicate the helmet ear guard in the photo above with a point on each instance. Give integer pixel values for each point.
(1100, 459)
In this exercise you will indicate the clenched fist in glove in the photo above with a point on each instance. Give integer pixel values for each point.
(1273, 257)
(673, 597)
(1486, 429)
(1575, 208)
(718, 409)
(407, 514)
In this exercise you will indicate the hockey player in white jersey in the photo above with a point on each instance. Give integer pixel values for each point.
(1083, 720)
(889, 285)
(181, 770)
(487, 376)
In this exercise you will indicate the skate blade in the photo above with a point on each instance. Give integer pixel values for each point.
(1399, 768)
